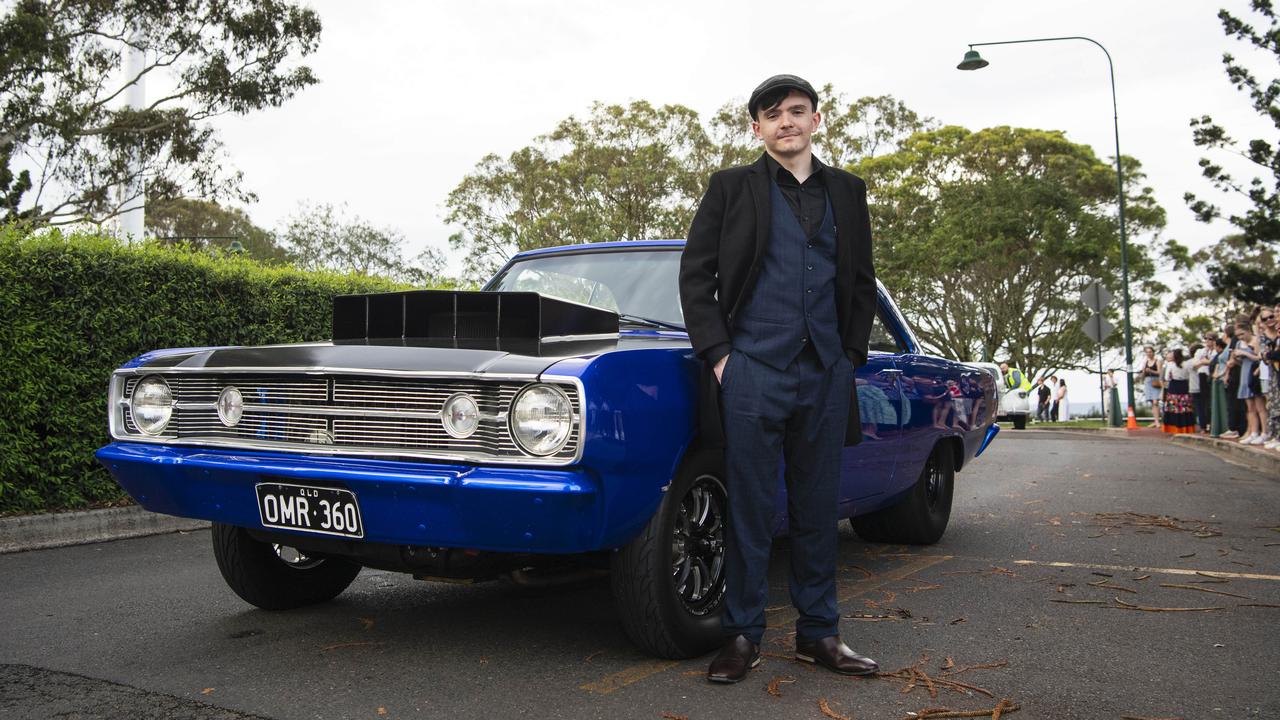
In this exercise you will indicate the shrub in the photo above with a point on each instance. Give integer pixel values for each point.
(73, 307)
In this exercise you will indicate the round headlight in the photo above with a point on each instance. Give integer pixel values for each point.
(461, 416)
(230, 405)
(151, 404)
(541, 418)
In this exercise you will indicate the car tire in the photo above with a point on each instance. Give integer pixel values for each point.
(668, 583)
(921, 517)
(1019, 422)
(260, 574)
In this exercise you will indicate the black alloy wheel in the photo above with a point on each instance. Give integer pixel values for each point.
(697, 545)
(668, 583)
(932, 484)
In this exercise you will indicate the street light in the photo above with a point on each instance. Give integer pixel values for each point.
(973, 61)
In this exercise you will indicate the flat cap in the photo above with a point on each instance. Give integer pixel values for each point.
(793, 82)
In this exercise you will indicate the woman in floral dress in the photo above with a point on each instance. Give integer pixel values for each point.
(1178, 412)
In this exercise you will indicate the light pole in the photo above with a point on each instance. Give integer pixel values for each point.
(973, 61)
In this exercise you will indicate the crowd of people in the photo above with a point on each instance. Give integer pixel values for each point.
(1052, 404)
(1228, 385)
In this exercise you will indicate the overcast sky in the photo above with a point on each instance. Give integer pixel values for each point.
(413, 94)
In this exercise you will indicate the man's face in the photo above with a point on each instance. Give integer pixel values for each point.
(787, 128)
(1004, 367)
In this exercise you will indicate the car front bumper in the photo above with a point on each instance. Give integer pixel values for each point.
(500, 509)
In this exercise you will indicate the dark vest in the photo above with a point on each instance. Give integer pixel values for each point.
(793, 303)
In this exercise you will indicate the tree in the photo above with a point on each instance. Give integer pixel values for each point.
(68, 147)
(324, 237)
(623, 173)
(205, 223)
(1208, 299)
(1233, 273)
(634, 172)
(988, 237)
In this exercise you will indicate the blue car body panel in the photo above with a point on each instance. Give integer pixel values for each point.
(638, 423)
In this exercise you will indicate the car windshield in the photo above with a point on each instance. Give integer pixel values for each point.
(641, 283)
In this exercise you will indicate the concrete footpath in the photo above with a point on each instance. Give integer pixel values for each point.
(1267, 461)
(37, 532)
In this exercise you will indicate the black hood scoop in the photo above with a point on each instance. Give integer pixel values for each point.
(464, 319)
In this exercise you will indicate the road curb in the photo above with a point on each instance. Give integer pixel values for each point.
(38, 532)
(1264, 460)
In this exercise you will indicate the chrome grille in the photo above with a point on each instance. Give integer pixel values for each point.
(129, 424)
(276, 391)
(255, 424)
(400, 395)
(386, 416)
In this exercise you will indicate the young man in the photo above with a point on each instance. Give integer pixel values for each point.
(1043, 394)
(779, 294)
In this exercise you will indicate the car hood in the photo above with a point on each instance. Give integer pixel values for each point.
(526, 357)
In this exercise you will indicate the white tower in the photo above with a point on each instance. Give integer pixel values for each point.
(133, 211)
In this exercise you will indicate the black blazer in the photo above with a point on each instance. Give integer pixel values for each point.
(725, 251)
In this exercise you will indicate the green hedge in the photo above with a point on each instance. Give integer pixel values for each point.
(73, 307)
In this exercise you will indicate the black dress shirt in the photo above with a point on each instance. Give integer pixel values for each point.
(808, 199)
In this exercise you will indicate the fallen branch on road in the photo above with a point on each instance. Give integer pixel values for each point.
(1122, 605)
(980, 666)
(995, 713)
(826, 710)
(772, 687)
(914, 676)
(339, 646)
(1198, 528)
(1107, 584)
(1204, 590)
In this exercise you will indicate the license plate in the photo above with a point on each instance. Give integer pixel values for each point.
(327, 511)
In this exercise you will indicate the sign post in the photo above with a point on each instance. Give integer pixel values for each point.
(1096, 298)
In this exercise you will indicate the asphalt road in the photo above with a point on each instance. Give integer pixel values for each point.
(1026, 598)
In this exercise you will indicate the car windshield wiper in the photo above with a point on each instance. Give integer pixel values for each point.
(637, 320)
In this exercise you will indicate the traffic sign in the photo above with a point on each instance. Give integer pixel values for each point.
(1095, 297)
(1097, 328)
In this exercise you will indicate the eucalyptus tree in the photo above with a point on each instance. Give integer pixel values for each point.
(988, 238)
(68, 144)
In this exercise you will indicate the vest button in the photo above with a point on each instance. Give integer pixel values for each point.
(809, 291)
(808, 267)
(804, 339)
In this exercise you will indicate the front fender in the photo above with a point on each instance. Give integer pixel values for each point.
(639, 418)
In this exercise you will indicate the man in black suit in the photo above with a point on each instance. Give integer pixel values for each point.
(779, 295)
(1042, 405)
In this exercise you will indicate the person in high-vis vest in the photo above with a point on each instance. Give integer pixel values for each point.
(1014, 379)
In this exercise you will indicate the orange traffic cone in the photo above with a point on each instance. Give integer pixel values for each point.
(1132, 422)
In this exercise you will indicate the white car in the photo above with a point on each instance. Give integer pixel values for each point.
(1015, 405)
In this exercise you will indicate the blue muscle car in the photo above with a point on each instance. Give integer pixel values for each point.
(548, 420)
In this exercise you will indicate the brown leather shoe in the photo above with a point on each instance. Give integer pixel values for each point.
(834, 655)
(737, 657)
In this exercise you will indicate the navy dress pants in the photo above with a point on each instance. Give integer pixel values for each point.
(797, 415)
